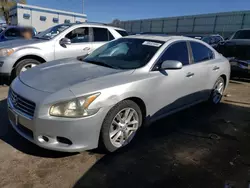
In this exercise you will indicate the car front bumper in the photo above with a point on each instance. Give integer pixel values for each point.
(56, 133)
(6, 64)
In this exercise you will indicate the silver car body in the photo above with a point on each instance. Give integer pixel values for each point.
(49, 50)
(162, 94)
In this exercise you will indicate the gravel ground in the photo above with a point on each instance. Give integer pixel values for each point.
(198, 147)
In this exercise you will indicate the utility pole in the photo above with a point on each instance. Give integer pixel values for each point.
(83, 6)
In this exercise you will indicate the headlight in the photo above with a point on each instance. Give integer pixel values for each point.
(6, 52)
(75, 108)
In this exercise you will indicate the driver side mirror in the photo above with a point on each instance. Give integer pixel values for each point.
(65, 41)
(171, 64)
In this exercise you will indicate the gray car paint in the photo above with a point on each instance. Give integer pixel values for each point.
(162, 92)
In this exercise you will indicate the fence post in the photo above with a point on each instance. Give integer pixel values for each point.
(140, 26)
(193, 24)
(150, 27)
(162, 26)
(177, 24)
(243, 20)
(215, 22)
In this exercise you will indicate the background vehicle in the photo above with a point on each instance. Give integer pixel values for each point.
(2, 28)
(16, 32)
(237, 49)
(213, 39)
(108, 96)
(58, 42)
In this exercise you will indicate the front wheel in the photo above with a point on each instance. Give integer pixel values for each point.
(24, 65)
(217, 92)
(120, 125)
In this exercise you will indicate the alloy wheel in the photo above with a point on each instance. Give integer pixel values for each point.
(218, 92)
(28, 66)
(123, 127)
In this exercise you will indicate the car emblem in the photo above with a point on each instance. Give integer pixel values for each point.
(14, 100)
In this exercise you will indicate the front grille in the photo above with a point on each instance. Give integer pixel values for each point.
(20, 103)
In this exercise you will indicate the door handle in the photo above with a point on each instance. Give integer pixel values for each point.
(86, 48)
(216, 68)
(190, 74)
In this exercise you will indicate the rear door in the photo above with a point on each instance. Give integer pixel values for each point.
(202, 60)
(99, 36)
(80, 44)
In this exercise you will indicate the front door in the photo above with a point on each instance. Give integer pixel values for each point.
(173, 88)
(80, 44)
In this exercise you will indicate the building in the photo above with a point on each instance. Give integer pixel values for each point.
(224, 23)
(42, 18)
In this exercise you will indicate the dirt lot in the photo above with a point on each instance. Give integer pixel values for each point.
(199, 147)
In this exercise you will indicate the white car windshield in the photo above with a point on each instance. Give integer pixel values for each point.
(52, 32)
(125, 53)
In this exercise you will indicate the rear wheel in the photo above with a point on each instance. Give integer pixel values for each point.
(24, 65)
(217, 92)
(120, 125)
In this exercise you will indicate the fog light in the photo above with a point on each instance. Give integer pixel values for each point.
(43, 139)
(63, 140)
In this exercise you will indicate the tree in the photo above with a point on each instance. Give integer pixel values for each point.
(5, 6)
(116, 22)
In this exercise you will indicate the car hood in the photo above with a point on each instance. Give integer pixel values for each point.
(20, 42)
(60, 74)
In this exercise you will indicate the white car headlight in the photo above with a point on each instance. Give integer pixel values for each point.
(6, 52)
(74, 108)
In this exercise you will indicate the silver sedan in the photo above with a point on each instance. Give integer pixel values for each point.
(102, 100)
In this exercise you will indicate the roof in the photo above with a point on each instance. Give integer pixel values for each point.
(53, 11)
(96, 24)
(157, 37)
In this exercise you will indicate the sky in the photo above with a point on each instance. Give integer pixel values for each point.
(108, 10)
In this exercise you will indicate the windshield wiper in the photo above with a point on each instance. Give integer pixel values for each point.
(101, 63)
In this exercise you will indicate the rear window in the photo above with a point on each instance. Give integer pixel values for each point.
(122, 33)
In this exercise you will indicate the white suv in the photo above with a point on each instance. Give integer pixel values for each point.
(58, 42)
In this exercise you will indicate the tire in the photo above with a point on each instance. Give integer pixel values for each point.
(217, 92)
(109, 126)
(25, 62)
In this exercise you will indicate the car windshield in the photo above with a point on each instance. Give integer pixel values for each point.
(244, 34)
(206, 39)
(52, 32)
(125, 53)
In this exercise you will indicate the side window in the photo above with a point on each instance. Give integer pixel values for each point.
(79, 35)
(122, 33)
(102, 34)
(177, 51)
(12, 32)
(201, 52)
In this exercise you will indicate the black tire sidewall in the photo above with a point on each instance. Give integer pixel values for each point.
(105, 142)
(22, 63)
(211, 96)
